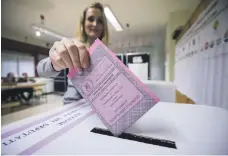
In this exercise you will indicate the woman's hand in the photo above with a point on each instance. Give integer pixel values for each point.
(69, 53)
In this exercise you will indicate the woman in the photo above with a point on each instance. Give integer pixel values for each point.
(72, 53)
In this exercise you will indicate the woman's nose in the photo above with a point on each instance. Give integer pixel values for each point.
(94, 23)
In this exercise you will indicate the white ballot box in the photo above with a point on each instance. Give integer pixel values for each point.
(165, 90)
(167, 128)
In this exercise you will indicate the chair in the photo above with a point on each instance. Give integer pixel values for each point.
(38, 93)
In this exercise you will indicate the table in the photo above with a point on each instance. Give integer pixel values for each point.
(22, 85)
(16, 89)
(196, 129)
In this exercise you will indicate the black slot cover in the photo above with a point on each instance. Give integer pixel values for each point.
(138, 138)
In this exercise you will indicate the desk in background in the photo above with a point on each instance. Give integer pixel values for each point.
(15, 91)
(22, 85)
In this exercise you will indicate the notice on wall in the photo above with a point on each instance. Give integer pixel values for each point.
(201, 56)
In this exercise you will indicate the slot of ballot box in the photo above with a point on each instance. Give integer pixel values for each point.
(138, 138)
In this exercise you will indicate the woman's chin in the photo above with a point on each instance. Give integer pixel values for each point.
(94, 35)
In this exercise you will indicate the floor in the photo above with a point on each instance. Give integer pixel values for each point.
(54, 101)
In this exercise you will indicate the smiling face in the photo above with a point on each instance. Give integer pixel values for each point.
(94, 23)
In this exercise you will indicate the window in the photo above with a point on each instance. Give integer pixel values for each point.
(17, 63)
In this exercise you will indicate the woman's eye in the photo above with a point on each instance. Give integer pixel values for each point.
(91, 19)
(101, 21)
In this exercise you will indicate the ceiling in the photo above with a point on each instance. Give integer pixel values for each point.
(144, 16)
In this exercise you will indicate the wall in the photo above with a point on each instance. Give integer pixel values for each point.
(17, 63)
(158, 61)
(201, 71)
(176, 19)
(12, 47)
(153, 43)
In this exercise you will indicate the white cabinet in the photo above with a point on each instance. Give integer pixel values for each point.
(164, 90)
(49, 87)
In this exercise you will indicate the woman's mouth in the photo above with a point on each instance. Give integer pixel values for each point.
(94, 30)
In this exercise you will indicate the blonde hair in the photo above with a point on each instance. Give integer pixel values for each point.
(82, 34)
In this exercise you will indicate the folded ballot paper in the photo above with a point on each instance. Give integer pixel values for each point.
(118, 97)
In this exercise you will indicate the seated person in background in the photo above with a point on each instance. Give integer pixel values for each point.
(9, 94)
(25, 78)
(29, 91)
(9, 80)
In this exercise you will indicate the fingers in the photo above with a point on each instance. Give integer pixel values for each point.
(63, 53)
(56, 60)
(57, 67)
(73, 52)
(59, 62)
(69, 53)
(84, 57)
(83, 54)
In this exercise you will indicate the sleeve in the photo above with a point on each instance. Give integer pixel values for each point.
(45, 68)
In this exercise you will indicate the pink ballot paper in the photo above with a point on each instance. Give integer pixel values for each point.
(114, 92)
